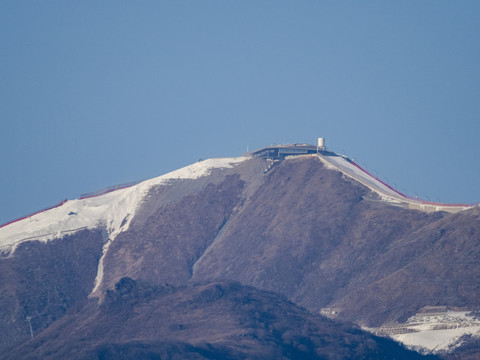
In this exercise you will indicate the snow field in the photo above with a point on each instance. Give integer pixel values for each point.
(385, 192)
(440, 331)
(113, 210)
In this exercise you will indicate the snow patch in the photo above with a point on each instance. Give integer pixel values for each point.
(431, 333)
(340, 163)
(348, 168)
(113, 210)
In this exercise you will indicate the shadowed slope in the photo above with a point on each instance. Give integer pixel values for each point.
(214, 321)
(324, 240)
(41, 281)
(299, 229)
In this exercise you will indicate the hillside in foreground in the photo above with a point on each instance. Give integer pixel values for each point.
(212, 321)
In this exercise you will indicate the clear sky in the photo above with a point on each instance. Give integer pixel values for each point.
(97, 93)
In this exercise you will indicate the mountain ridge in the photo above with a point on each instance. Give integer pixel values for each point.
(302, 227)
(243, 321)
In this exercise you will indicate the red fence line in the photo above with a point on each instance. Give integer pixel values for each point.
(401, 194)
(103, 192)
(376, 178)
(35, 213)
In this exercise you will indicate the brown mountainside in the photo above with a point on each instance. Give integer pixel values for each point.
(296, 230)
(219, 320)
(311, 234)
(326, 241)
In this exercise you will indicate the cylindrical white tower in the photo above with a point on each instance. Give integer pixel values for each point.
(321, 143)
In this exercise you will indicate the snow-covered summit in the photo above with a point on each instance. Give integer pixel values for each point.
(113, 210)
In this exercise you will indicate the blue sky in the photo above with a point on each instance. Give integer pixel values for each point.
(97, 93)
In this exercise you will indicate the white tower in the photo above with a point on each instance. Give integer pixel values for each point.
(321, 144)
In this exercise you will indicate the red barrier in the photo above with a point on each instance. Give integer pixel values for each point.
(35, 213)
(373, 176)
(102, 192)
(403, 195)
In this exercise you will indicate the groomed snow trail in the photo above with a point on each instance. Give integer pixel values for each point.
(386, 192)
(113, 211)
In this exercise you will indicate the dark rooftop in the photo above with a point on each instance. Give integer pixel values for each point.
(279, 152)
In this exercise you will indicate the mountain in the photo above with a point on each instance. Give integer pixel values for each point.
(285, 222)
(218, 320)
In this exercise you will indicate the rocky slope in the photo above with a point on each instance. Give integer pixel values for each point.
(219, 320)
(297, 228)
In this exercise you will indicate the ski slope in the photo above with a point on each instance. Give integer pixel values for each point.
(349, 168)
(113, 210)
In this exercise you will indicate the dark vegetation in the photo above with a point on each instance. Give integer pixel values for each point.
(325, 241)
(221, 320)
(164, 248)
(237, 265)
(43, 280)
(468, 350)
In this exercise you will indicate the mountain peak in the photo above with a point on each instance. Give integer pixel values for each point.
(297, 221)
